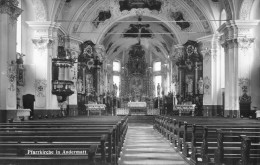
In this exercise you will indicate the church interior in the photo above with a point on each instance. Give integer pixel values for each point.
(134, 81)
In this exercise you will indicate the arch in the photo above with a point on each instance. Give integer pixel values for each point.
(223, 16)
(244, 13)
(40, 10)
(254, 11)
(229, 13)
(197, 13)
(57, 8)
(81, 13)
(106, 28)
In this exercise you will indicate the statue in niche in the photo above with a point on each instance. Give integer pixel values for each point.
(115, 89)
(79, 85)
(136, 88)
(190, 86)
(158, 90)
(200, 85)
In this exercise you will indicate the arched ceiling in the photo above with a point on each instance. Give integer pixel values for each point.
(106, 22)
(153, 35)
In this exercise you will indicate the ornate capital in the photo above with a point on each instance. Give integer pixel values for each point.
(10, 7)
(177, 52)
(100, 52)
(42, 44)
(207, 85)
(245, 43)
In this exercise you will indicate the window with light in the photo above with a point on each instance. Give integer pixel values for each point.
(157, 66)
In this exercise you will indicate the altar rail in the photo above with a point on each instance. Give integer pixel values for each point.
(137, 105)
(125, 111)
(184, 109)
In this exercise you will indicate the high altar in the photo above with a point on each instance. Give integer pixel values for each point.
(137, 80)
(137, 108)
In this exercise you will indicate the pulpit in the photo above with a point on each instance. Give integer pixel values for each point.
(95, 107)
(137, 108)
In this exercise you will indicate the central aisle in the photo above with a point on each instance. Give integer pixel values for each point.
(144, 146)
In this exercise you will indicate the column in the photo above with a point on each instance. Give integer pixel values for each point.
(72, 45)
(245, 57)
(99, 55)
(45, 42)
(178, 55)
(237, 40)
(208, 47)
(8, 16)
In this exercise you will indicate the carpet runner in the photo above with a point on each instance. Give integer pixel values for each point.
(144, 146)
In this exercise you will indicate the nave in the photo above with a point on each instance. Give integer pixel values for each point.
(145, 146)
(99, 140)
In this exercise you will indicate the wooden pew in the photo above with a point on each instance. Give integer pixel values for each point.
(45, 131)
(197, 133)
(49, 136)
(199, 140)
(228, 149)
(250, 150)
(23, 153)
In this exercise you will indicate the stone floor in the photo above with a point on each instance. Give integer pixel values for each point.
(144, 146)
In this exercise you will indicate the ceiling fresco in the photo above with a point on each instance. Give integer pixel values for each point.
(157, 25)
(152, 34)
(130, 4)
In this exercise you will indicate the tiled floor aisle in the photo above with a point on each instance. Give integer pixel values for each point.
(145, 146)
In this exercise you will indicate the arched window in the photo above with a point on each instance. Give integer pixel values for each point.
(223, 17)
(116, 75)
(116, 66)
(116, 81)
(158, 80)
(157, 66)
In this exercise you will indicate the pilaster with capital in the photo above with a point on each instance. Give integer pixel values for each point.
(178, 55)
(211, 82)
(44, 43)
(9, 12)
(99, 56)
(239, 56)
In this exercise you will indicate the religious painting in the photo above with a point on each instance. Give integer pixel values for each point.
(138, 30)
(130, 4)
(89, 83)
(102, 16)
(189, 84)
(136, 87)
(180, 21)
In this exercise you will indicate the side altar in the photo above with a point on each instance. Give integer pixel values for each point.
(137, 108)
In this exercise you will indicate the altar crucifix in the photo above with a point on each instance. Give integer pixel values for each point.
(138, 30)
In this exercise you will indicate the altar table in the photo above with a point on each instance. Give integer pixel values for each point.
(95, 107)
(184, 109)
(137, 108)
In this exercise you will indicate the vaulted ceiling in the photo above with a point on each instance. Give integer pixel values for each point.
(114, 23)
(154, 36)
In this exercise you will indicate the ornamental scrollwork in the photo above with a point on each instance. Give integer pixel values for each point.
(10, 7)
(243, 83)
(40, 87)
(207, 85)
(11, 74)
(42, 44)
(245, 43)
